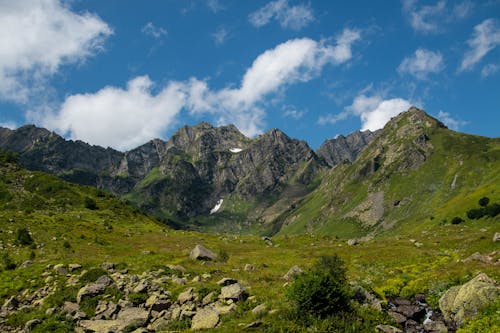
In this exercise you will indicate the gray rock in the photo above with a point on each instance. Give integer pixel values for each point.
(133, 316)
(74, 267)
(30, 325)
(143, 286)
(108, 266)
(352, 242)
(104, 280)
(186, 296)
(496, 237)
(27, 263)
(90, 290)
(293, 272)
(388, 329)
(101, 326)
(226, 281)
(435, 326)
(70, 308)
(234, 291)
(205, 318)
(398, 317)
(344, 148)
(11, 304)
(462, 302)
(248, 268)
(202, 253)
(259, 310)
(60, 269)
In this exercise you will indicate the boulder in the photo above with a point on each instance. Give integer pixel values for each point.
(90, 290)
(101, 326)
(186, 296)
(462, 302)
(260, 309)
(31, 324)
(352, 242)
(387, 329)
(74, 267)
(204, 319)
(234, 291)
(142, 287)
(133, 316)
(496, 237)
(11, 304)
(226, 281)
(108, 266)
(202, 253)
(60, 269)
(248, 268)
(293, 272)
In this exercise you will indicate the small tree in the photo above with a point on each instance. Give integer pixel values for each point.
(484, 201)
(493, 210)
(90, 203)
(24, 237)
(456, 220)
(323, 290)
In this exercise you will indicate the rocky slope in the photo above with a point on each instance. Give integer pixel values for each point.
(414, 170)
(345, 148)
(194, 171)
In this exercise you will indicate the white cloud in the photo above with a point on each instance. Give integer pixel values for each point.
(220, 35)
(431, 18)
(331, 119)
(489, 70)
(422, 63)
(449, 121)
(485, 38)
(37, 38)
(290, 111)
(215, 6)
(297, 60)
(151, 30)
(120, 118)
(125, 118)
(375, 112)
(289, 17)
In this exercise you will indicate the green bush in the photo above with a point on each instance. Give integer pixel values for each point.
(8, 263)
(476, 213)
(90, 203)
(24, 237)
(484, 201)
(92, 275)
(138, 298)
(493, 210)
(323, 290)
(456, 220)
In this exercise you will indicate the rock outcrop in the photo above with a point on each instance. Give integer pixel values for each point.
(345, 148)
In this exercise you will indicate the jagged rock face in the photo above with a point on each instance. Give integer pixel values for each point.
(184, 176)
(345, 148)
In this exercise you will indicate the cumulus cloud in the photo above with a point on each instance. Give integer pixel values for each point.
(375, 111)
(449, 121)
(422, 63)
(151, 30)
(331, 119)
(486, 37)
(120, 118)
(37, 38)
(430, 18)
(290, 111)
(8, 124)
(289, 17)
(215, 6)
(297, 60)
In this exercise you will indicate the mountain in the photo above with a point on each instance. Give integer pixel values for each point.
(345, 148)
(200, 167)
(414, 173)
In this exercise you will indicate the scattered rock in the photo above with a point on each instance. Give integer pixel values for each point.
(202, 253)
(90, 290)
(267, 240)
(30, 325)
(133, 317)
(293, 272)
(234, 291)
(27, 263)
(479, 257)
(496, 237)
(60, 269)
(352, 242)
(101, 325)
(205, 318)
(178, 280)
(108, 266)
(248, 268)
(398, 317)
(253, 324)
(462, 302)
(74, 267)
(11, 304)
(104, 280)
(259, 310)
(388, 329)
(186, 296)
(142, 287)
(226, 282)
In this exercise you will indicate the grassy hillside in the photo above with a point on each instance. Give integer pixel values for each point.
(416, 174)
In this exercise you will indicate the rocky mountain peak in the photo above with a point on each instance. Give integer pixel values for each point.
(345, 148)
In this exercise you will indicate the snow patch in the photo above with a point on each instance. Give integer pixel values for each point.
(217, 207)
(235, 150)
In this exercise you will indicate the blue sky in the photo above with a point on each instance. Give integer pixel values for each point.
(119, 73)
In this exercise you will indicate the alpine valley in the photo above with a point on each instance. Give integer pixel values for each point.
(98, 240)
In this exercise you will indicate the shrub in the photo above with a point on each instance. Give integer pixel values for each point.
(476, 213)
(484, 201)
(456, 220)
(323, 290)
(8, 263)
(138, 298)
(493, 210)
(92, 275)
(222, 256)
(90, 203)
(24, 237)
(66, 245)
